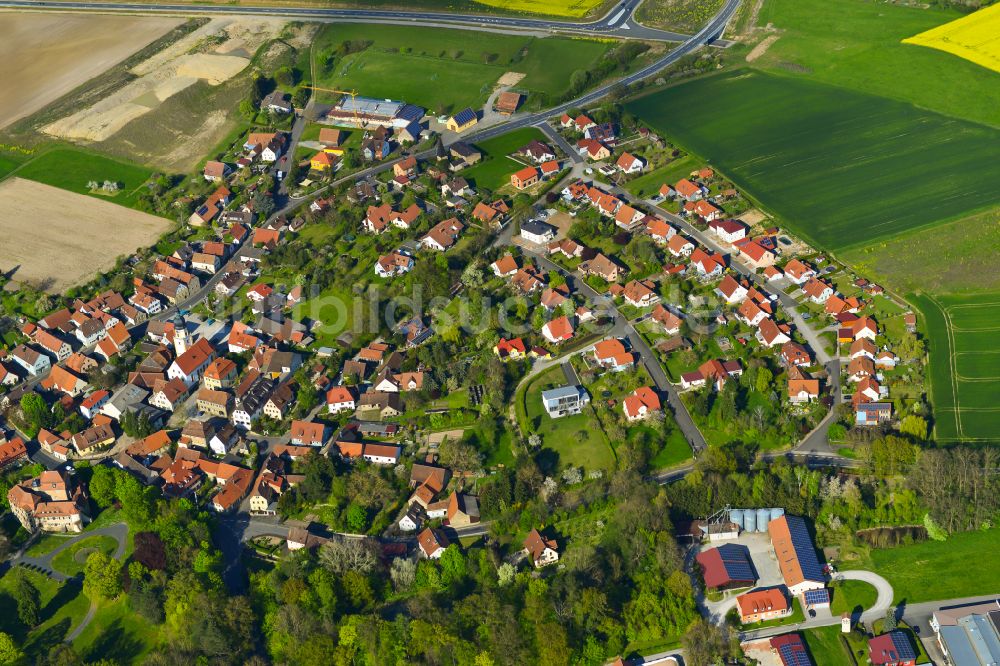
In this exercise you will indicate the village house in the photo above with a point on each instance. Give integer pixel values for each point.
(214, 402)
(640, 293)
(432, 544)
(505, 266)
(307, 433)
(670, 321)
(29, 359)
(715, 371)
(61, 379)
(728, 231)
(537, 232)
(756, 255)
(660, 231)
(689, 191)
(462, 120)
(708, 265)
(168, 394)
(629, 163)
(762, 605)
(339, 399)
(93, 439)
(798, 272)
(641, 403)
(510, 349)
(611, 354)
(219, 374)
(817, 290)
(443, 235)
(524, 178)
(771, 334)
(601, 266)
(679, 246)
(558, 330)
(537, 151)
(57, 348)
(394, 263)
(731, 290)
(541, 551)
(802, 390)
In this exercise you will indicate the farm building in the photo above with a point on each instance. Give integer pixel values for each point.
(727, 566)
(797, 560)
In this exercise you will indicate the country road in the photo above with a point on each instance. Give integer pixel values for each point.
(618, 22)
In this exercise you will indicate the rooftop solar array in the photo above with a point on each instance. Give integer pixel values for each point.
(794, 655)
(737, 563)
(901, 642)
(804, 551)
(817, 597)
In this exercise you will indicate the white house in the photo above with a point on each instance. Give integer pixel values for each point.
(537, 232)
(339, 399)
(32, 361)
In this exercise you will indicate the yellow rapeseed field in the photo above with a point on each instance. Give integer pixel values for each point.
(975, 37)
(568, 8)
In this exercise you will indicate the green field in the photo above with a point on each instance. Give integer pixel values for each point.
(443, 69)
(842, 168)
(577, 440)
(955, 257)
(965, 364)
(72, 168)
(827, 647)
(858, 45)
(495, 169)
(939, 570)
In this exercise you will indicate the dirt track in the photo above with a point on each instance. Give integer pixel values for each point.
(47, 55)
(57, 239)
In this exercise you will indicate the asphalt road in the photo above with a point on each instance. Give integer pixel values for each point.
(618, 22)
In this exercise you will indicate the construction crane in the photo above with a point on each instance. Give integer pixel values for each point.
(353, 94)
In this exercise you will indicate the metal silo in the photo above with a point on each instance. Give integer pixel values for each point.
(736, 516)
(750, 520)
(763, 518)
(777, 513)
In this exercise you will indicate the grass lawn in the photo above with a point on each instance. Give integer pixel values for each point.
(673, 451)
(117, 633)
(842, 168)
(10, 161)
(648, 184)
(576, 440)
(72, 560)
(333, 307)
(939, 570)
(63, 606)
(827, 646)
(442, 69)
(850, 594)
(858, 45)
(72, 168)
(46, 543)
(495, 169)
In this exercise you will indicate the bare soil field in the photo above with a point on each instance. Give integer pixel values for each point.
(214, 53)
(47, 55)
(79, 237)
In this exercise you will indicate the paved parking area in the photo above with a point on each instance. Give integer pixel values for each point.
(764, 562)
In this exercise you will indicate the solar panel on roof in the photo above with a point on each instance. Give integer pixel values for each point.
(804, 551)
(904, 648)
(817, 597)
(794, 654)
(736, 561)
